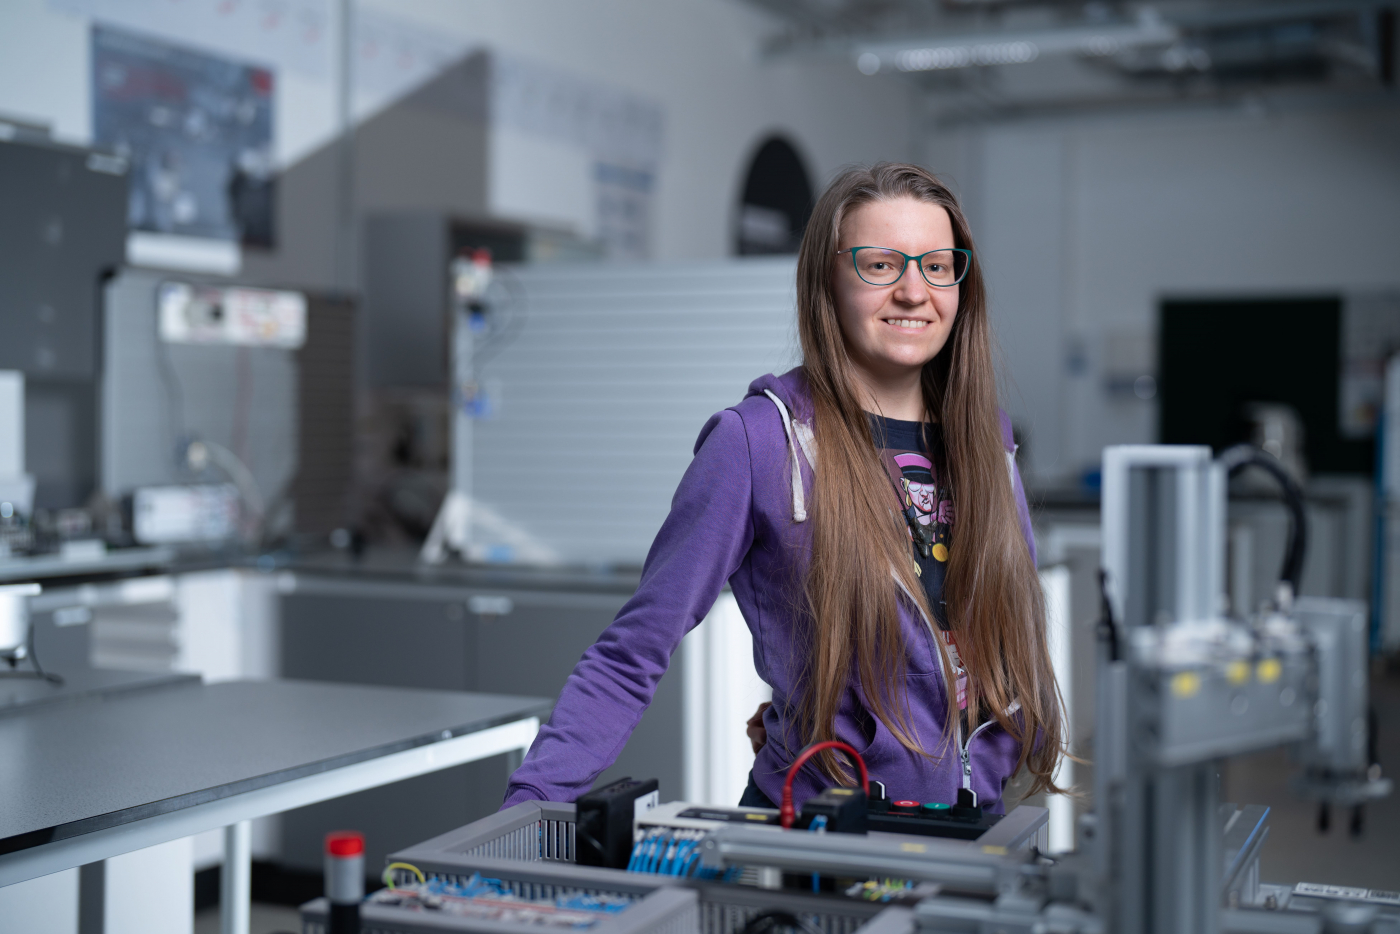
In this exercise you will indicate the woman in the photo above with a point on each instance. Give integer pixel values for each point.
(866, 511)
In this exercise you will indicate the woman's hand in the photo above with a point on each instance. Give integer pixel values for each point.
(758, 735)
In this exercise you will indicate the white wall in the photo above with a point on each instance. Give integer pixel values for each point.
(1083, 226)
(701, 60)
(44, 68)
(44, 74)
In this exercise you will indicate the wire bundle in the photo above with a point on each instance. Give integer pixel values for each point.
(879, 890)
(479, 886)
(488, 899)
(672, 851)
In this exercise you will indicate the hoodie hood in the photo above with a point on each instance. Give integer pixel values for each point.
(791, 390)
(789, 393)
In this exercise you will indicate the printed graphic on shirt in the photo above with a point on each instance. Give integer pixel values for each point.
(913, 457)
(928, 509)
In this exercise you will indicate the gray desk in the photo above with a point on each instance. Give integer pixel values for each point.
(22, 695)
(96, 778)
(119, 561)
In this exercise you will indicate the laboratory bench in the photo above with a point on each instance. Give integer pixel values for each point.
(113, 770)
(379, 619)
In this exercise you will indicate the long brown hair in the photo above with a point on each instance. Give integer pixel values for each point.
(994, 602)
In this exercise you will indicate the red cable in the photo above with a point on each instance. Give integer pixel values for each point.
(787, 813)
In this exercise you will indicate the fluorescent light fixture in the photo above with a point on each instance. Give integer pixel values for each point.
(183, 254)
(967, 51)
(963, 56)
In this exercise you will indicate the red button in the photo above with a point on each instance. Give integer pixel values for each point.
(910, 806)
(345, 843)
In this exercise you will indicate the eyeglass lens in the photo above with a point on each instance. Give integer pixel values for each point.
(882, 267)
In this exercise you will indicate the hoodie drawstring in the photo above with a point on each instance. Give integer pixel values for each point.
(796, 434)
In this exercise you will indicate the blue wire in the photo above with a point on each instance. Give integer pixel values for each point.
(654, 863)
(682, 851)
(639, 853)
(692, 857)
(669, 858)
(683, 857)
(818, 823)
(636, 851)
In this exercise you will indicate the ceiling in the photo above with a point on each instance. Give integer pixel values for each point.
(994, 59)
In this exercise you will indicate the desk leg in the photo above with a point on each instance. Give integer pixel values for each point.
(92, 898)
(516, 757)
(235, 878)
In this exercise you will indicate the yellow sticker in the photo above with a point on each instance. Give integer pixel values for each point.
(1237, 672)
(994, 850)
(940, 551)
(913, 848)
(1269, 670)
(756, 816)
(840, 791)
(1186, 683)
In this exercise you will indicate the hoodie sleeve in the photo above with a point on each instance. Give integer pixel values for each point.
(701, 544)
(1018, 489)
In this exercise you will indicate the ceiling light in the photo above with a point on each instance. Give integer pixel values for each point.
(964, 56)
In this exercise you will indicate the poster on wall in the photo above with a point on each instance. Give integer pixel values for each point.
(197, 129)
(624, 210)
(623, 135)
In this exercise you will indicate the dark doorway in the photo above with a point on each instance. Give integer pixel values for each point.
(776, 203)
(1218, 356)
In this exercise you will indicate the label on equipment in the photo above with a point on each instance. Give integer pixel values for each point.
(1374, 896)
(206, 314)
(645, 803)
(165, 515)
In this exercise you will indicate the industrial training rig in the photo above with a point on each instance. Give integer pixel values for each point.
(1180, 686)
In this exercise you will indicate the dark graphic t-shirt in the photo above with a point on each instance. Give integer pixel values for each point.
(914, 458)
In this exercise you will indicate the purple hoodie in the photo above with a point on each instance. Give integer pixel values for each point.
(739, 517)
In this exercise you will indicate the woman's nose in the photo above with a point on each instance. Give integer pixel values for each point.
(911, 287)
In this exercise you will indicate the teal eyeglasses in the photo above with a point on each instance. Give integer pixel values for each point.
(882, 266)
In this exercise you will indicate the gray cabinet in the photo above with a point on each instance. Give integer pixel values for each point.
(428, 636)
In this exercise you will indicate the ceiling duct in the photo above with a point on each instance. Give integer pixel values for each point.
(999, 57)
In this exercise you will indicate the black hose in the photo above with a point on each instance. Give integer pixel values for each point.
(1107, 628)
(774, 918)
(48, 676)
(1241, 456)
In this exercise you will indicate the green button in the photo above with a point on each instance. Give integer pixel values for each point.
(934, 806)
